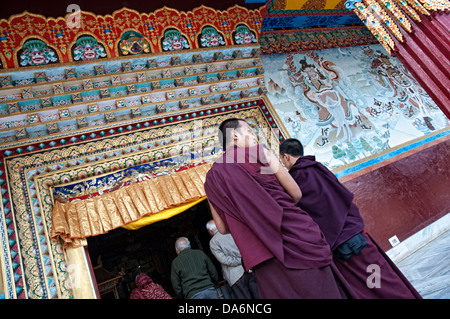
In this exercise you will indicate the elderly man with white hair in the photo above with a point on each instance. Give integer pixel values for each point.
(193, 274)
(243, 284)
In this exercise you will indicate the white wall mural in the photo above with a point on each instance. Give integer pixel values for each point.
(345, 104)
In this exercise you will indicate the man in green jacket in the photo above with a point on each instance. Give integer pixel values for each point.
(193, 273)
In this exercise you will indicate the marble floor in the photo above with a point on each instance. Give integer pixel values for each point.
(428, 268)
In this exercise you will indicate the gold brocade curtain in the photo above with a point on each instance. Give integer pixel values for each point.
(73, 222)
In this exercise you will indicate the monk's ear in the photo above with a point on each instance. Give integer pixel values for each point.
(288, 157)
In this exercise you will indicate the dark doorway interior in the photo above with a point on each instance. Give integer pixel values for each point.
(149, 249)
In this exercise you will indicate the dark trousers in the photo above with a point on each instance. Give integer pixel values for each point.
(246, 287)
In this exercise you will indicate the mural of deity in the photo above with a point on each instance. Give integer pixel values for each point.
(337, 115)
(173, 40)
(211, 38)
(36, 52)
(132, 42)
(411, 98)
(87, 48)
(346, 104)
(243, 35)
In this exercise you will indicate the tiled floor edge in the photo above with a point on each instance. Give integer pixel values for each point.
(419, 239)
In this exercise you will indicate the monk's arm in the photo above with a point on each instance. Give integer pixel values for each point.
(283, 176)
(221, 227)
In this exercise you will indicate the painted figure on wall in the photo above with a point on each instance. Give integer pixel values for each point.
(87, 48)
(337, 116)
(132, 42)
(345, 104)
(243, 35)
(36, 52)
(211, 38)
(173, 40)
(411, 98)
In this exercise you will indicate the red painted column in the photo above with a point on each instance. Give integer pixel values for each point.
(426, 54)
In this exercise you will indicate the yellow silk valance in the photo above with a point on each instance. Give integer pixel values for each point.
(131, 207)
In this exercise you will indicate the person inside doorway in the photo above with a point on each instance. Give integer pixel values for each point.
(193, 274)
(147, 289)
(243, 283)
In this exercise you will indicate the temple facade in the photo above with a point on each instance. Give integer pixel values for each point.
(108, 126)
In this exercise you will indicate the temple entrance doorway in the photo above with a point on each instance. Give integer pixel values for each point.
(120, 255)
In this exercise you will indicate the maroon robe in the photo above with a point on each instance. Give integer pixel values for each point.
(331, 206)
(269, 230)
(328, 202)
(392, 285)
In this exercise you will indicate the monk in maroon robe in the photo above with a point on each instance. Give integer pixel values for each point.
(331, 206)
(253, 197)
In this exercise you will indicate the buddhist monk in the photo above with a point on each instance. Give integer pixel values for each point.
(253, 197)
(369, 271)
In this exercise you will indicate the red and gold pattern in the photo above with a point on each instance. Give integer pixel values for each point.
(60, 34)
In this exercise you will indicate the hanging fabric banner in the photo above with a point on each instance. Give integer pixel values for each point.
(155, 199)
